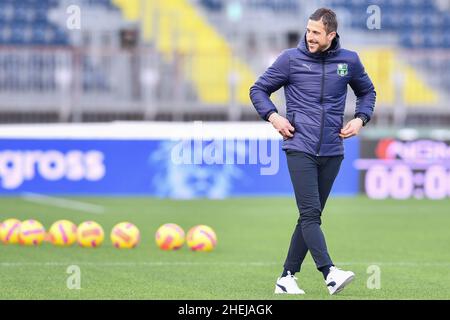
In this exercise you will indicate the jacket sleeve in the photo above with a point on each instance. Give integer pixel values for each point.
(276, 76)
(364, 90)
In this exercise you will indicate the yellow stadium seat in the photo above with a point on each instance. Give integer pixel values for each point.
(384, 66)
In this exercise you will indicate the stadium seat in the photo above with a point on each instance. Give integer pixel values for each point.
(6, 12)
(213, 5)
(20, 13)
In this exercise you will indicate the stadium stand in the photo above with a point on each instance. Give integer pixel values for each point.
(209, 54)
(197, 58)
(26, 23)
(418, 25)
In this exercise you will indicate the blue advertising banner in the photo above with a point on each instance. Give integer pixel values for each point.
(172, 168)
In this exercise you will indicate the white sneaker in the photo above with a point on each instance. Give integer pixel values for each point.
(288, 285)
(337, 279)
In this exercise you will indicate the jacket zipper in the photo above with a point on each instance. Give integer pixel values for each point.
(323, 109)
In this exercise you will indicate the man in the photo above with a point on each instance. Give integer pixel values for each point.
(315, 76)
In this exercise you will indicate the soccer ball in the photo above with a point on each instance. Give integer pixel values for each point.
(9, 231)
(90, 234)
(169, 236)
(63, 233)
(201, 238)
(32, 232)
(125, 235)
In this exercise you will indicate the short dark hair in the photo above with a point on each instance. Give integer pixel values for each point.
(328, 17)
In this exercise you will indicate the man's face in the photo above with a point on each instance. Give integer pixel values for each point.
(316, 36)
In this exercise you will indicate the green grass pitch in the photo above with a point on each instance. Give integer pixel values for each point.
(408, 240)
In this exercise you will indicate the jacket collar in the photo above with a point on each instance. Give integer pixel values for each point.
(331, 51)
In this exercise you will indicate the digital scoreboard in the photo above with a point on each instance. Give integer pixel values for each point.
(397, 169)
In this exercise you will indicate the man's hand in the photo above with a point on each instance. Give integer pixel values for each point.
(351, 129)
(282, 125)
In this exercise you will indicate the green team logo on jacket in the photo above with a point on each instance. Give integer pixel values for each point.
(342, 69)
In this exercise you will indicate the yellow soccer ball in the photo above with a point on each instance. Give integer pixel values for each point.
(32, 233)
(201, 238)
(63, 233)
(9, 231)
(90, 234)
(169, 236)
(125, 235)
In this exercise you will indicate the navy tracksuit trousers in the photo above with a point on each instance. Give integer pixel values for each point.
(312, 178)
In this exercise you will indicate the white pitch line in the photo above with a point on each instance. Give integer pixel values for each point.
(128, 264)
(229, 263)
(63, 203)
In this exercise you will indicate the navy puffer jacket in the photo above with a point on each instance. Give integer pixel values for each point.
(315, 87)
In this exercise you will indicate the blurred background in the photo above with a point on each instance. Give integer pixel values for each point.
(196, 59)
(73, 65)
